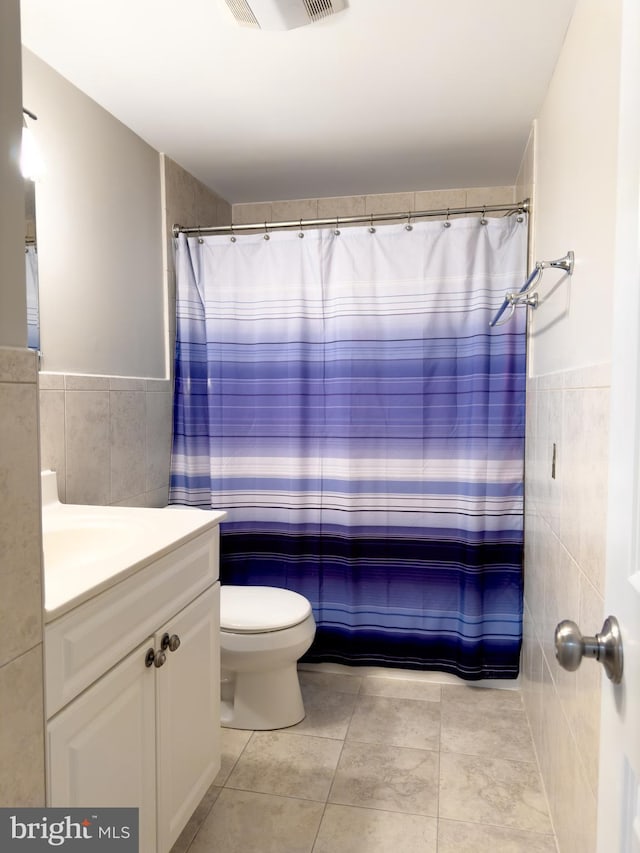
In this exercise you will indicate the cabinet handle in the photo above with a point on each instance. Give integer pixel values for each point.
(170, 642)
(154, 658)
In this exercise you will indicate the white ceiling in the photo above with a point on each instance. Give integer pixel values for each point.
(388, 95)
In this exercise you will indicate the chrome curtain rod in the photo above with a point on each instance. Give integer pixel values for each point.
(517, 207)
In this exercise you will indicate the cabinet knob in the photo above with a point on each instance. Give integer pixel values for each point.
(159, 659)
(149, 657)
(170, 642)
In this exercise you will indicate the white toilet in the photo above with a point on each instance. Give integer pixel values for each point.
(263, 632)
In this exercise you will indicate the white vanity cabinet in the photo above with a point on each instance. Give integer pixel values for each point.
(133, 701)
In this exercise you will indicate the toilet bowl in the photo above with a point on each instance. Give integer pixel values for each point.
(263, 632)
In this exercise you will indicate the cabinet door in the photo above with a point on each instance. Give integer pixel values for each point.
(101, 747)
(188, 714)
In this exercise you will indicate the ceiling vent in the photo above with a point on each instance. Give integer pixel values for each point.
(282, 14)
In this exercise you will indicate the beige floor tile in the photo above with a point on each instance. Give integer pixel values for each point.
(286, 764)
(455, 837)
(401, 688)
(233, 742)
(492, 790)
(495, 733)
(328, 713)
(329, 681)
(353, 830)
(397, 722)
(481, 698)
(387, 777)
(246, 822)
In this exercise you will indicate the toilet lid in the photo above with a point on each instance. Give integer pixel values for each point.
(255, 609)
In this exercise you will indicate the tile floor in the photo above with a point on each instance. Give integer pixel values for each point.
(380, 765)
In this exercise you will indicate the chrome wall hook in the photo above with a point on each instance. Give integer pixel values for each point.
(565, 263)
(526, 296)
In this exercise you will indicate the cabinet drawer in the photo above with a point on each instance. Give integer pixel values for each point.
(86, 642)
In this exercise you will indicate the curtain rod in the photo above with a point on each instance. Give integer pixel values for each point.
(517, 207)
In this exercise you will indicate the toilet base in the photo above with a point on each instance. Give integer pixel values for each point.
(261, 701)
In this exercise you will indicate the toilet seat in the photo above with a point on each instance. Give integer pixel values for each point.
(260, 609)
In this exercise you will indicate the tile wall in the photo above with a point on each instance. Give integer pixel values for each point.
(565, 539)
(186, 202)
(363, 205)
(21, 690)
(108, 438)
(565, 536)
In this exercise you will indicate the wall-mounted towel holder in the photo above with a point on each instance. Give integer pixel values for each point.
(526, 296)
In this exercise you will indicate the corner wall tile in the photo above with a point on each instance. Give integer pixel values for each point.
(17, 364)
(224, 213)
(22, 772)
(51, 381)
(245, 214)
(52, 429)
(478, 196)
(159, 426)
(20, 533)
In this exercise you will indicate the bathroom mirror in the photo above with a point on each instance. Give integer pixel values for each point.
(31, 265)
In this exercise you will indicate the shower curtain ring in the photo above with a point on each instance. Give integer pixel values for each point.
(301, 232)
(408, 226)
(233, 236)
(336, 229)
(266, 232)
(446, 223)
(200, 237)
(483, 220)
(372, 230)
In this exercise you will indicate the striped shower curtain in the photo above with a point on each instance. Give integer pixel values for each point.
(342, 396)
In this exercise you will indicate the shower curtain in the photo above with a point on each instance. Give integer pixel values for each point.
(342, 396)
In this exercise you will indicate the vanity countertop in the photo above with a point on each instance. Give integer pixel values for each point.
(88, 549)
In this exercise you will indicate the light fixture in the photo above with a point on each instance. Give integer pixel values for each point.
(31, 162)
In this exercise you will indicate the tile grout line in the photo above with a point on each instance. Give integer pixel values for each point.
(344, 740)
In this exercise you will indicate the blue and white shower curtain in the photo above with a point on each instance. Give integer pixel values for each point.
(344, 399)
